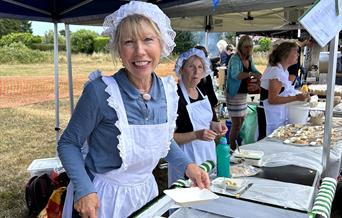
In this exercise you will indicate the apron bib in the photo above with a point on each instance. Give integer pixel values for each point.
(198, 151)
(276, 114)
(125, 190)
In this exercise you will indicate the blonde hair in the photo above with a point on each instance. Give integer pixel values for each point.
(133, 25)
(281, 52)
(244, 41)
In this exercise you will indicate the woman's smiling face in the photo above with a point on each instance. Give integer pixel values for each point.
(140, 55)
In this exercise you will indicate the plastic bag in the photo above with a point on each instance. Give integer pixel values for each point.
(242, 170)
(249, 126)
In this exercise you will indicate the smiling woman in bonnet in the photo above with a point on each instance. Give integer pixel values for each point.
(116, 112)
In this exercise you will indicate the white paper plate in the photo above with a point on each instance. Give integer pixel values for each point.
(188, 196)
(290, 142)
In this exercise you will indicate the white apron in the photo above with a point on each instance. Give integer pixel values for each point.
(201, 115)
(123, 191)
(276, 114)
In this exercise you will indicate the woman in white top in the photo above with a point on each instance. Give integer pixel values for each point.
(276, 88)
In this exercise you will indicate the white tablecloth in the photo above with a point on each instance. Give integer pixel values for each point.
(277, 153)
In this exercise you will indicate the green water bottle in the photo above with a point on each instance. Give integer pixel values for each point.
(223, 158)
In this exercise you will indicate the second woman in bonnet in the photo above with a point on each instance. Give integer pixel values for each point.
(128, 121)
(196, 128)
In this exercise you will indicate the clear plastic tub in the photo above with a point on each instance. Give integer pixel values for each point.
(44, 165)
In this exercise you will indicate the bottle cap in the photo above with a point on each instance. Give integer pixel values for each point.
(223, 140)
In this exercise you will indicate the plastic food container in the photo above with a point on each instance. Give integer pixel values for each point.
(298, 112)
(251, 157)
(44, 165)
(229, 183)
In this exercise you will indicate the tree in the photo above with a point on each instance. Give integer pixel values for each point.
(49, 35)
(25, 38)
(9, 26)
(264, 44)
(229, 37)
(184, 41)
(83, 41)
(62, 32)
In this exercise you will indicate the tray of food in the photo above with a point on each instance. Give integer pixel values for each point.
(305, 135)
(229, 183)
(284, 132)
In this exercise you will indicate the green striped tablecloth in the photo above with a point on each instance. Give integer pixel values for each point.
(324, 198)
(207, 166)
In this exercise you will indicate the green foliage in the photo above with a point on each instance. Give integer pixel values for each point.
(9, 26)
(100, 44)
(47, 47)
(229, 37)
(83, 41)
(48, 37)
(62, 32)
(17, 52)
(264, 44)
(184, 41)
(26, 38)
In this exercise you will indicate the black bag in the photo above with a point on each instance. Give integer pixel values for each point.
(37, 192)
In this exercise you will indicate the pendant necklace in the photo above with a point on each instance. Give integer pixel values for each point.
(145, 95)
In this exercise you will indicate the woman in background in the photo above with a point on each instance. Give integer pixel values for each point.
(196, 131)
(240, 68)
(276, 88)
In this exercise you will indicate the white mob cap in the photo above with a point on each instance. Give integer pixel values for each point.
(221, 45)
(189, 53)
(148, 10)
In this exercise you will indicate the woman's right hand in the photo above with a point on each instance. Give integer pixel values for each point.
(205, 135)
(302, 97)
(87, 206)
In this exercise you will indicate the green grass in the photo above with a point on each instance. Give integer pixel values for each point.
(27, 133)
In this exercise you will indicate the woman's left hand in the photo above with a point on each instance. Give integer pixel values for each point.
(218, 127)
(198, 176)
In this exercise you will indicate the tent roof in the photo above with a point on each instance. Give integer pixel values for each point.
(190, 15)
(238, 15)
(68, 11)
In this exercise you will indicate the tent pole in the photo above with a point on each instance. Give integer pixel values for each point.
(329, 101)
(206, 40)
(68, 54)
(207, 27)
(55, 46)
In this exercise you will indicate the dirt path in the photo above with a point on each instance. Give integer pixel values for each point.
(23, 90)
